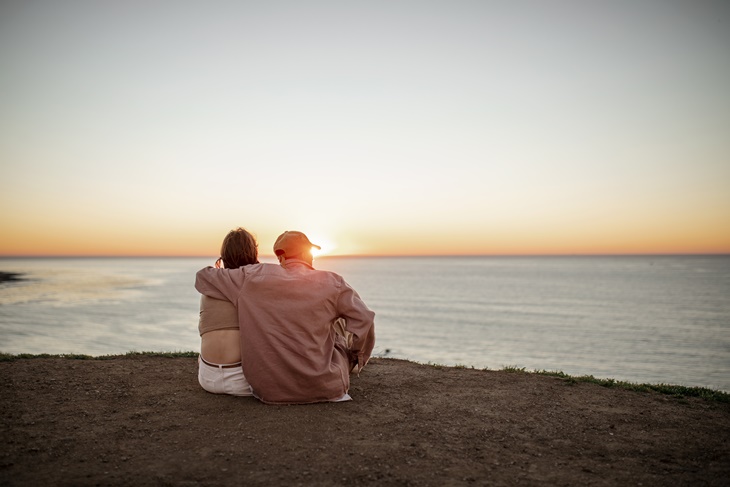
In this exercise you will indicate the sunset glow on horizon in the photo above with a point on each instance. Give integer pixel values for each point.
(378, 128)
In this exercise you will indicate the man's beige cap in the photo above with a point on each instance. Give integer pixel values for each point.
(291, 243)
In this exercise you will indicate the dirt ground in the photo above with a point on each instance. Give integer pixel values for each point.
(143, 420)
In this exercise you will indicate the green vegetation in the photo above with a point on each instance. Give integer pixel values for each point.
(179, 354)
(7, 357)
(676, 391)
(669, 389)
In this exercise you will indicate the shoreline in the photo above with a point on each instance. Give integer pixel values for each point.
(142, 419)
(574, 330)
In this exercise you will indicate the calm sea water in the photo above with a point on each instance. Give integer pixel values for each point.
(641, 319)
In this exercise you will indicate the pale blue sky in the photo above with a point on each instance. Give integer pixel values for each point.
(435, 126)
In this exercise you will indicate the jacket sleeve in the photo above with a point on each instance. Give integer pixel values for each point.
(220, 283)
(360, 321)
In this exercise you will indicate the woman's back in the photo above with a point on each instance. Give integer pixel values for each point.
(218, 328)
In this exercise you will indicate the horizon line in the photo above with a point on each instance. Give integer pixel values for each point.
(199, 256)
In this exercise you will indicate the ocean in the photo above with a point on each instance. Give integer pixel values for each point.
(655, 319)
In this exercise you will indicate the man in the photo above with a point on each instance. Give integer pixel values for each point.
(291, 351)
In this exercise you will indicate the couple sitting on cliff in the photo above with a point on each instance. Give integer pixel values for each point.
(287, 333)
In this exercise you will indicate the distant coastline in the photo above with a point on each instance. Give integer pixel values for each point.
(11, 276)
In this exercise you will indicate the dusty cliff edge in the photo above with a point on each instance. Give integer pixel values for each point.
(144, 420)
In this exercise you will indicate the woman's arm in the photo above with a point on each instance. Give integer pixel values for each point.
(220, 283)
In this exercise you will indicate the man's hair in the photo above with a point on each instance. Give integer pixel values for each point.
(239, 248)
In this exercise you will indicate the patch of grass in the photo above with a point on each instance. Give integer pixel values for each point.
(178, 354)
(514, 369)
(669, 389)
(7, 357)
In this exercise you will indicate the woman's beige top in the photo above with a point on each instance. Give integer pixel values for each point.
(216, 314)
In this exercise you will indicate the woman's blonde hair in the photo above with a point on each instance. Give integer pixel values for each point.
(239, 248)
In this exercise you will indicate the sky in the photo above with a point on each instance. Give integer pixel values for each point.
(387, 127)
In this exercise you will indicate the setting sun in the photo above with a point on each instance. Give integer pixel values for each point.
(327, 247)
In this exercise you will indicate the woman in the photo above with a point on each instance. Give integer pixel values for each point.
(219, 363)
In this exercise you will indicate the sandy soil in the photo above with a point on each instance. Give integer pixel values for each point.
(142, 420)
